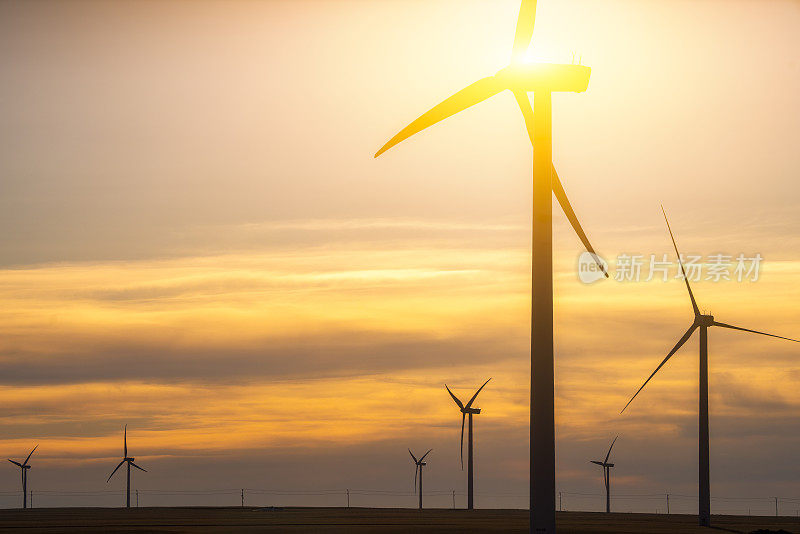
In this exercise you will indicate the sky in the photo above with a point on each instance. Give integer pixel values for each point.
(198, 243)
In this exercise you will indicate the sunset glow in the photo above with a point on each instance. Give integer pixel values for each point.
(198, 242)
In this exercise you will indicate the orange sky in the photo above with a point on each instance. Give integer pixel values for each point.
(198, 242)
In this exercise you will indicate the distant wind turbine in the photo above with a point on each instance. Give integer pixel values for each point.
(542, 79)
(467, 410)
(703, 322)
(24, 466)
(607, 474)
(418, 471)
(129, 461)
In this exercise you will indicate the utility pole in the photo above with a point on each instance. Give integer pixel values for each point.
(137, 498)
(667, 503)
(454, 499)
(348, 497)
(559, 501)
(776, 505)
(242, 497)
(31, 498)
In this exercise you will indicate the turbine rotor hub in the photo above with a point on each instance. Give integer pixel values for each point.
(475, 411)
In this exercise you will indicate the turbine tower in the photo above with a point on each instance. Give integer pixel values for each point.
(418, 470)
(24, 467)
(703, 322)
(467, 410)
(607, 474)
(129, 461)
(542, 79)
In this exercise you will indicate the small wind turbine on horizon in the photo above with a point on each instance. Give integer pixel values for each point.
(418, 471)
(703, 322)
(24, 467)
(542, 79)
(129, 461)
(467, 410)
(607, 474)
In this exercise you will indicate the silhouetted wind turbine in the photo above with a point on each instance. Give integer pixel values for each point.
(703, 322)
(607, 474)
(129, 461)
(542, 79)
(418, 470)
(467, 410)
(24, 466)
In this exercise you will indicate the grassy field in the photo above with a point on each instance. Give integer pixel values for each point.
(218, 520)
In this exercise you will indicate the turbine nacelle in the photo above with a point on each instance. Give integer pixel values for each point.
(550, 77)
(127, 459)
(704, 320)
(474, 411)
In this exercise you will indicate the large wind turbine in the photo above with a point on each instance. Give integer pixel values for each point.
(542, 79)
(418, 471)
(703, 322)
(24, 466)
(129, 461)
(467, 410)
(607, 474)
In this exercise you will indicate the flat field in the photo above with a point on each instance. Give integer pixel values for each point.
(340, 520)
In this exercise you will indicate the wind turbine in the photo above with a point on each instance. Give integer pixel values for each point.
(418, 470)
(607, 474)
(467, 410)
(24, 466)
(703, 322)
(542, 79)
(129, 461)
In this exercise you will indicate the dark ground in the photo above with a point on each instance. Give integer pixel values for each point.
(325, 520)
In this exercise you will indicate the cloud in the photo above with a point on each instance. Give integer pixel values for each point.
(348, 353)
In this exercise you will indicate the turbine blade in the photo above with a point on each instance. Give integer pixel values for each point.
(558, 189)
(678, 345)
(524, 33)
(561, 196)
(458, 402)
(137, 467)
(29, 456)
(609, 450)
(424, 455)
(685, 278)
(723, 325)
(412, 455)
(595, 462)
(15, 463)
(463, 416)
(126, 441)
(469, 404)
(467, 97)
(566, 207)
(115, 470)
